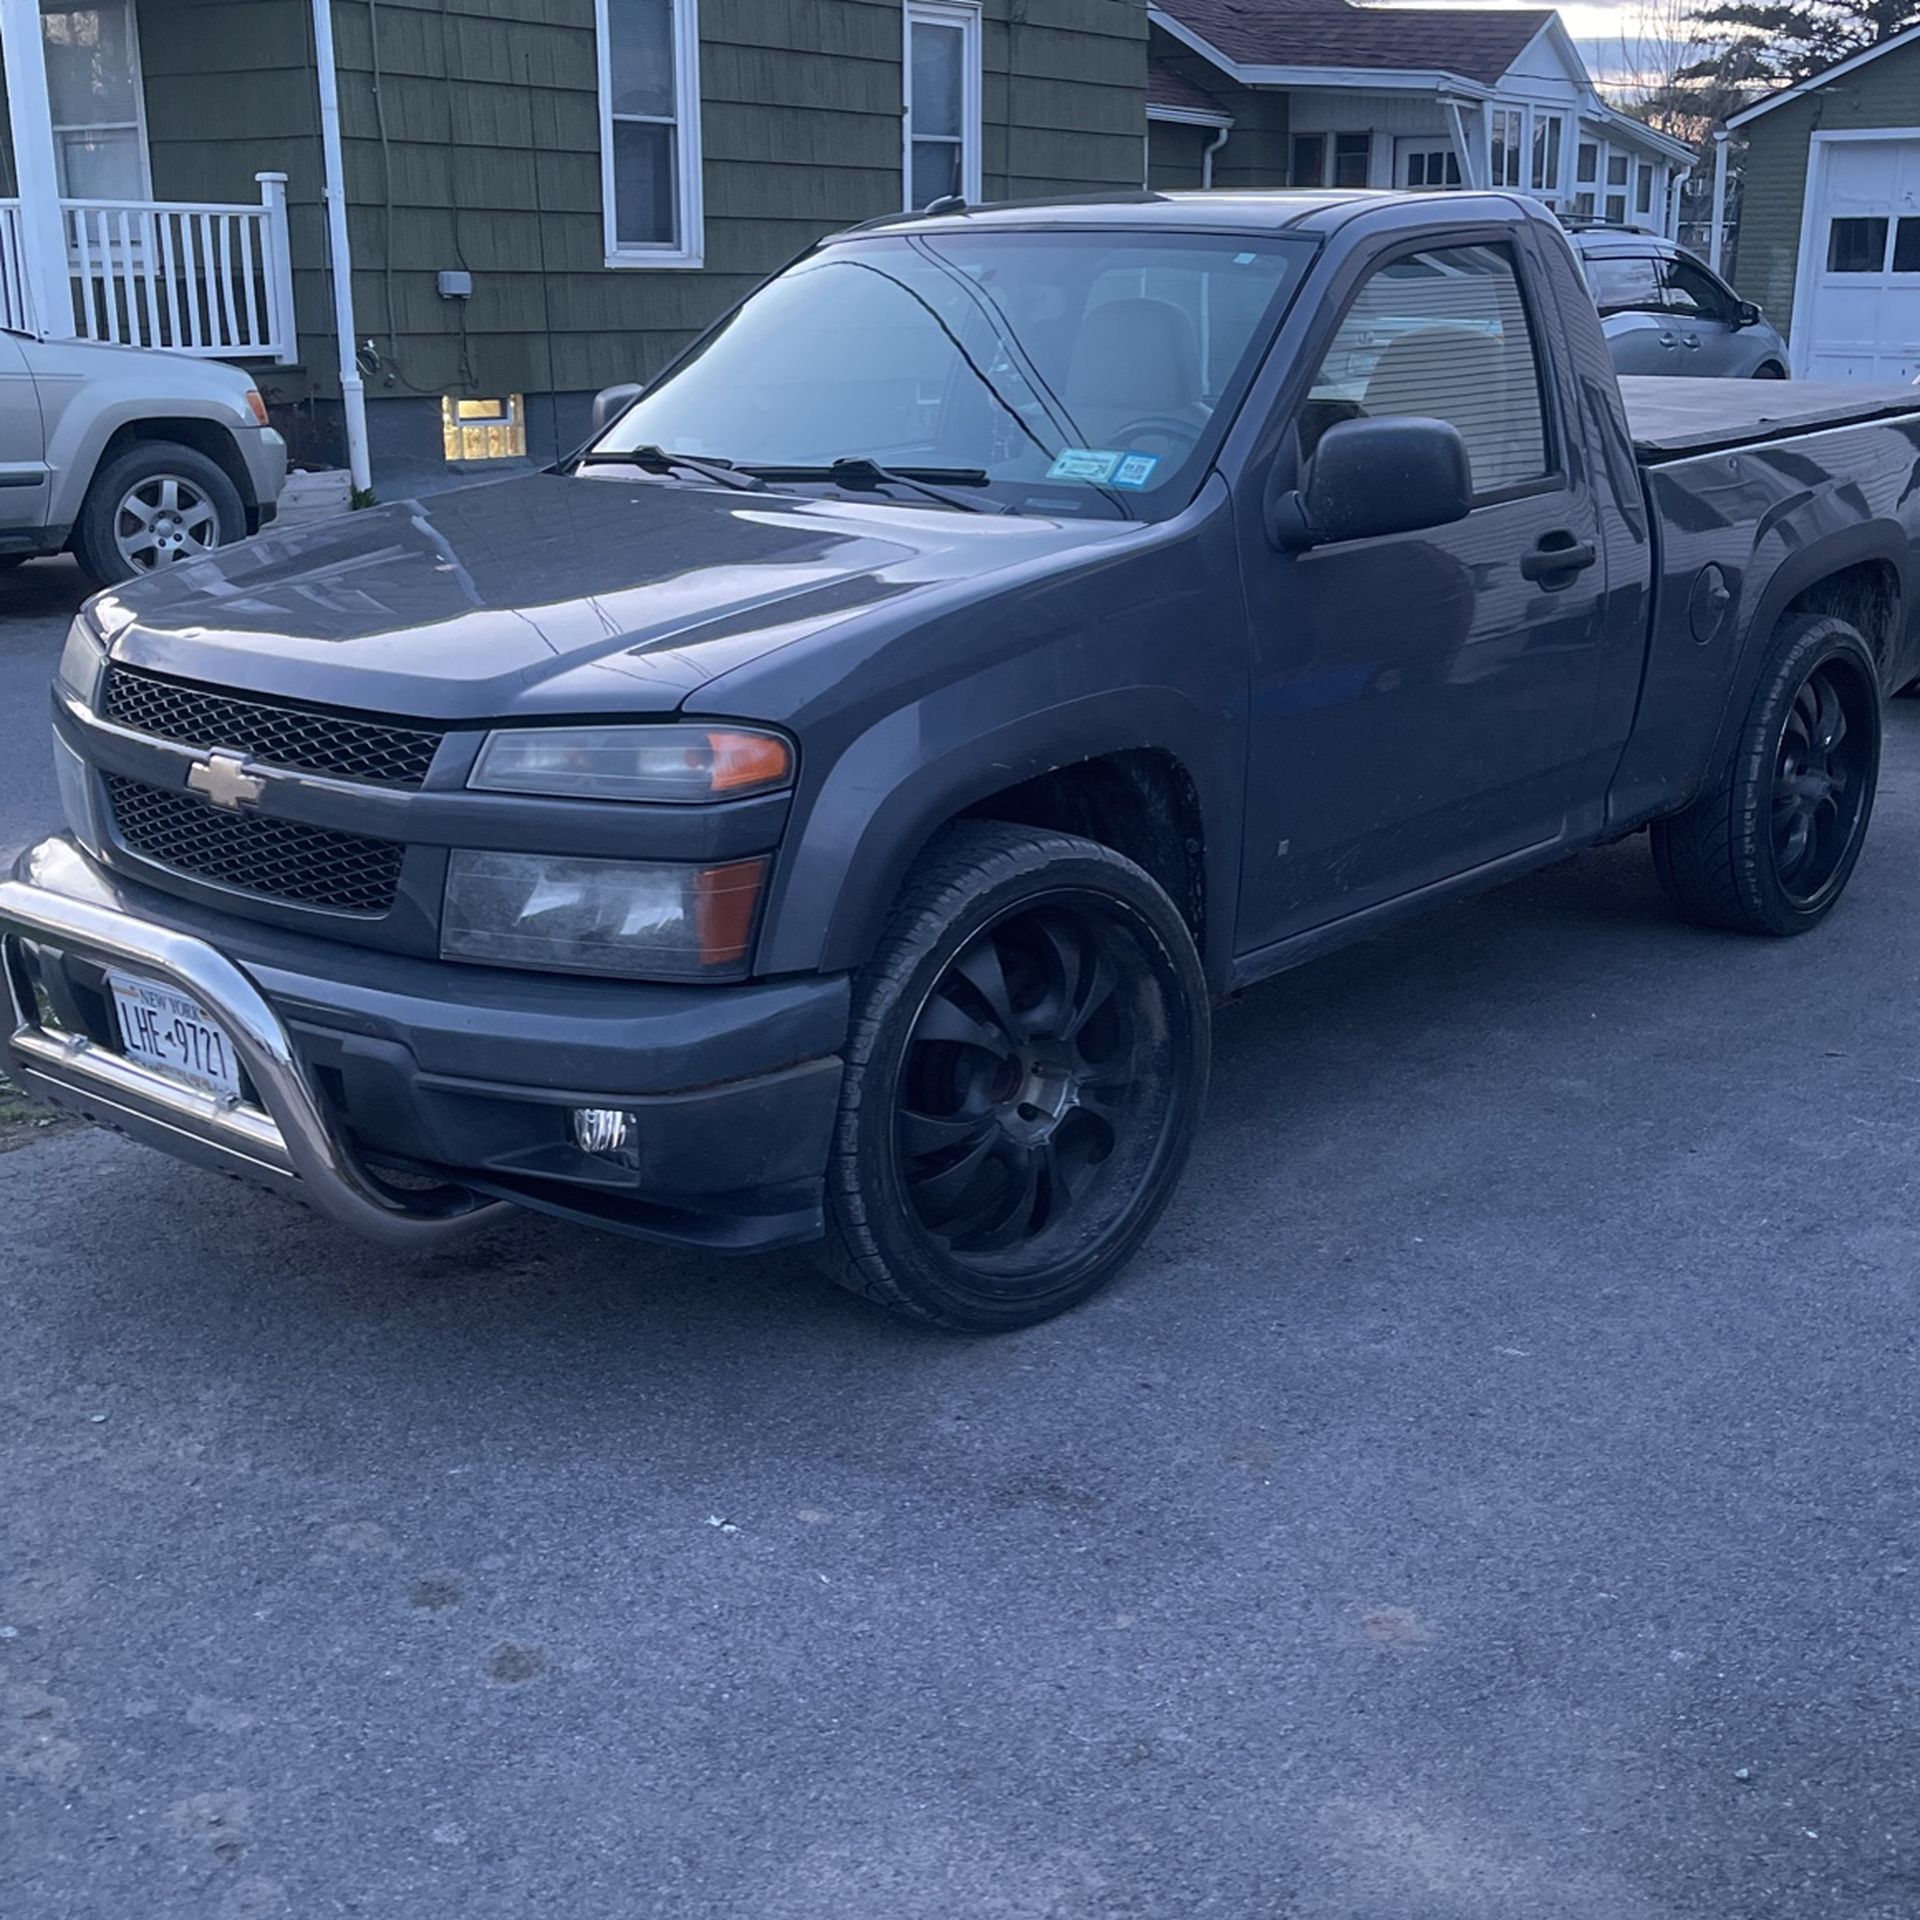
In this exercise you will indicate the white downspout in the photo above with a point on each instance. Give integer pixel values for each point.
(1676, 186)
(1207, 152)
(43, 227)
(1716, 234)
(353, 392)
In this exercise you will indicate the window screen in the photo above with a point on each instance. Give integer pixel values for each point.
(1309, 159)
(1443, 334)
(1906, 246)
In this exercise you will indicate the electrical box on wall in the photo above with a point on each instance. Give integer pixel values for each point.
(455, 283)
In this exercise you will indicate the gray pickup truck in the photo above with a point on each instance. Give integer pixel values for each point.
(827, 808)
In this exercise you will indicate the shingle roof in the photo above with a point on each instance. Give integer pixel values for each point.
(1478, 43)
(1168, 88)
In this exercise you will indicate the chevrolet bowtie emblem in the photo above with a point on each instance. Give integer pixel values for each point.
(223, 778)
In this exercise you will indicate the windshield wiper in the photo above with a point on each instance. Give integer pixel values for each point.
(858, 471)
(657, 460)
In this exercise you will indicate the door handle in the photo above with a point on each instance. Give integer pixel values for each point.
(1690, 340)
(1557, 554)
(1667, 340)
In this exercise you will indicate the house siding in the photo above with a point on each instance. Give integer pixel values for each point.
(478, 146)
(1176, 155)
(1884, 93)
(1256, 153)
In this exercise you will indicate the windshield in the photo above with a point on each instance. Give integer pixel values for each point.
(1053, 372)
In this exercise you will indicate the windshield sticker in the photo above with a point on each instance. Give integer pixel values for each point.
(1135, 470)
(1084, 463)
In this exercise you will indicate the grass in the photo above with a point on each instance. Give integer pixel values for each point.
(21, 1121)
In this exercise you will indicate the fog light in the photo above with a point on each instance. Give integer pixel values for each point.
(607, 1133)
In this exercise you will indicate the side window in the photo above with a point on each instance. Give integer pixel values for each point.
(1692, 290)
(1626, 284)
(1444, 334)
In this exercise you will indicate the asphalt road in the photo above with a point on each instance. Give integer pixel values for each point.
(1490, 1497)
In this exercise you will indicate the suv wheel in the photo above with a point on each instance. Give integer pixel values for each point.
(152, 506)
(1025, 1070)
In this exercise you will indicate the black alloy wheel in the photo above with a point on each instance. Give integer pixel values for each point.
(1028, 1057)
(1820, 784)
(1772, 840)
(1028, 1083)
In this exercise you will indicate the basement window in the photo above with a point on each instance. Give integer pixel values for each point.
(484, 429)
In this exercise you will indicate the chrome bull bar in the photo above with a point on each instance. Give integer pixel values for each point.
(290, 1142)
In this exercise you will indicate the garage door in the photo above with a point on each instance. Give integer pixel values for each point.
(1858, 315)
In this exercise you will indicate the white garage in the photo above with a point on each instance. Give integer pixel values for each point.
(1857, 307)
(1829, 239)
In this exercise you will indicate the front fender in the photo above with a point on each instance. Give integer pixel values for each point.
(919, 768)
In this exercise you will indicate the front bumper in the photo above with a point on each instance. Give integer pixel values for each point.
(358, 1066)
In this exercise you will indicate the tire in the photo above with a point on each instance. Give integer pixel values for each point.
(1025, 1070)
(192, 507)
(1771, 842)
(1770, 371)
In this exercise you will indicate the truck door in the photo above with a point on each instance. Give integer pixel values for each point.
(1423, 702)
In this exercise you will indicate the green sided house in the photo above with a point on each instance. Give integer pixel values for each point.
(435, 228)
(1830, 214)
(500, 206)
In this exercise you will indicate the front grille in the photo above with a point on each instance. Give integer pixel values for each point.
(276, 731)
(279, 859)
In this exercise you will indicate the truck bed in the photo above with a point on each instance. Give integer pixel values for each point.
(1672, 419)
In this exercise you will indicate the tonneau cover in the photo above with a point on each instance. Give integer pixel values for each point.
(1672, 418)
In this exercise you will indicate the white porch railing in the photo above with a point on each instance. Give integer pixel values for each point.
(196, 277)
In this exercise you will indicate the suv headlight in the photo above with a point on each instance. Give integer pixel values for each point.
(81, 661)
(676, 762)
(646, 920)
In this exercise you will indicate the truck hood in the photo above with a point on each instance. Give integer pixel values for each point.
(550, 593)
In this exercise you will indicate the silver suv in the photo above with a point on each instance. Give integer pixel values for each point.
(1663, 311)
(130, 457)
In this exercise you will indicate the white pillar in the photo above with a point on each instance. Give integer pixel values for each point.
(43, 232)
(1717, 233)
(353, 392)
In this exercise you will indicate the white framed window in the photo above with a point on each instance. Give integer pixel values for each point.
(650, 131)
(97, 100)
(942, 58)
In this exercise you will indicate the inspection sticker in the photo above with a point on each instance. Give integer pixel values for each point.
(1083, 463)
(1136, 470)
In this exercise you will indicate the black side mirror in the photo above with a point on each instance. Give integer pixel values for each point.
(1373, 477)
(1745, 314)
(611, 402)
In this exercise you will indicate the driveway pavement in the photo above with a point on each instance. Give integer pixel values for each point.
(1492, 1496)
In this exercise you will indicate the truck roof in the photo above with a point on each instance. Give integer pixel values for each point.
(1315, 210)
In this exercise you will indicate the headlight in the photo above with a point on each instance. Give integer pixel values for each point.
(675, 762)
(80, 661)
(647, 920)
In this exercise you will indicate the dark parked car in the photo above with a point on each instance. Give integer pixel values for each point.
(1666, 312)
(827, 808)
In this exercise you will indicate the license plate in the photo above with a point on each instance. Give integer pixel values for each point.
(164, 1029)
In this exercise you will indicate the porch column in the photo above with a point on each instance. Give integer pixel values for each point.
(1716, 236)
(43, 233)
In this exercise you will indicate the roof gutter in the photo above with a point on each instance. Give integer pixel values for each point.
(353, 393)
